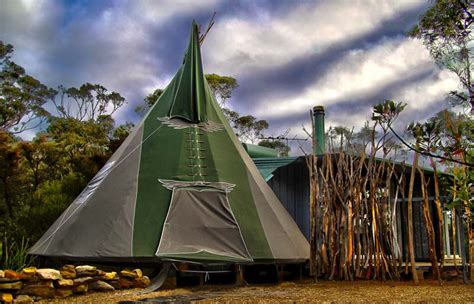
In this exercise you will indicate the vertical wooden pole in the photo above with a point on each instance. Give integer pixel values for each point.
(438, 210)
(239, 276)
(410, 218)
(429, 226)
(462, 247)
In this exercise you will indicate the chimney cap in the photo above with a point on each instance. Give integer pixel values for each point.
(318, 109)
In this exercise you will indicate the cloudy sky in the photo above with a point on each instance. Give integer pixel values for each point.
(286, 55)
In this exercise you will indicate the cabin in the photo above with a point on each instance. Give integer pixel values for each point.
(289, 179)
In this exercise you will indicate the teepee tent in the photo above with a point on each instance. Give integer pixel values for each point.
(181, 187)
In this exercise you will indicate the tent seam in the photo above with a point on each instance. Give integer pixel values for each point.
(136, 196)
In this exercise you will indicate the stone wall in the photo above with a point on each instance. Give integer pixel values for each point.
(34, 284)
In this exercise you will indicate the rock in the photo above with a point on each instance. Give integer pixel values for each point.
(136, 273)
(115, 284)
(84, 280)
(29, 274)
(49, 274)
(10, 274)
(11, 286)
(31, 279)
(2, 274)
(107, 276)
(100, 286)
(6, 298)
(63, 292)
(125, 283)
(23, 299)
(44, 289)
(68, 272)
(29, 271)
(64, 283)
(80, 288)
(86, 271)
(82, 268)
(142, 282)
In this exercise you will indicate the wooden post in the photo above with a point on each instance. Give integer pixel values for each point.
(410, 218)
(429, 226)
(438, 210)
(280, 273)
(462, 247)
(239, 276)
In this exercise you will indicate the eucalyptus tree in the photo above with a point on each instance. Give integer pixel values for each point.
(446, 31)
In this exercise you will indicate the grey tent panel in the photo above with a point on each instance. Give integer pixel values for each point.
(284, 236)
(200, 220)
(83, 230)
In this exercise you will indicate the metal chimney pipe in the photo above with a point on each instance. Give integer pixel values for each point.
(318, 131)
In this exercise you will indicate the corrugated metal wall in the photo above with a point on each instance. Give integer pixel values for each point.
(420, 237)
(291, 185)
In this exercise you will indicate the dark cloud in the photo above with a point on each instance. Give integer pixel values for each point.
(114, 43)
(301, 72)
(347, 106)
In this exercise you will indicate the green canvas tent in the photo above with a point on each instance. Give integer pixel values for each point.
(181, 187)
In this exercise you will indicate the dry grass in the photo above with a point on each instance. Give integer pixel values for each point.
(304, 292)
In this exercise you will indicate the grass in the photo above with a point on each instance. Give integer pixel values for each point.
(16, 255)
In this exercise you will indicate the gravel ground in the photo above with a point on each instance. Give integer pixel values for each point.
(301, 292)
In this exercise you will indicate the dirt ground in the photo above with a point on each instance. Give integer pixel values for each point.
(301, 292)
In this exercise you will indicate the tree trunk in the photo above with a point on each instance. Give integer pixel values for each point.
(438, 211)
(7, 197)
(467, 210)
(410, 218)
(429, 227)
(453, 229)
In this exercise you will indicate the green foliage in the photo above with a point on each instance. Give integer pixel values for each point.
(221, 86)
(462, 189)
(340, 134)
(457, 134)
(452, 135)
(387, 112)
(77, 137)
(10, 175)
(150, 100)
(446, 31)
(248, 128)
(446, 19)
(282, 148)
(120, 134)
(427, 135)
(41, 158)
(21, 96)
(89, 102)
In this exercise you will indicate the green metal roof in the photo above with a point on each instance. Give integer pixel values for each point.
(268, 165)
(255, 151)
